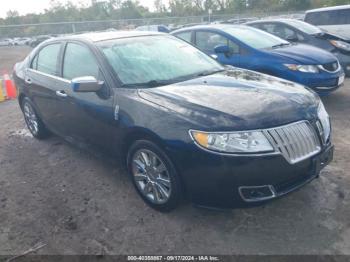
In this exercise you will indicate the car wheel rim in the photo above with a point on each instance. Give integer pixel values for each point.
(151, 176)
(31, 118)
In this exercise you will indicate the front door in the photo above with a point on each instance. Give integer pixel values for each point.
(207, 41)
(89, 116)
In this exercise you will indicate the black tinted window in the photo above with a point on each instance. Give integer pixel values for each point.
(78, 62)
(47, 59)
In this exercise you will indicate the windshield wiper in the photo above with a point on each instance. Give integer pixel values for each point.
(280, 45)
(156, 83)
(207, 73)
(151, 83)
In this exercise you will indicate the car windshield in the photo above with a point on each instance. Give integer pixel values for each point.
(156, 60)
(304, 27)
(255, 38)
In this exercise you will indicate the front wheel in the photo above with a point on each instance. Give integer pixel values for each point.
(154, 176)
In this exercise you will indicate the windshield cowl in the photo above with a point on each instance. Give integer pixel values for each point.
(157, 83)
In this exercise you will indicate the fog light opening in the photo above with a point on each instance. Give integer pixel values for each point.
(257, 193)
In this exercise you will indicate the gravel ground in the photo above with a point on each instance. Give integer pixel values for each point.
(78, 201)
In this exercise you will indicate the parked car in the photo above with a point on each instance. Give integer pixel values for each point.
(154, 28)
(185, 126)
(21, 41)
(301, 32)
(237, 21)
(38, 40)
(247, 47)
(335, 20)
(6, 42)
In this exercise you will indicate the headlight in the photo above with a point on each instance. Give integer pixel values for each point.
(235, 142)
(325, 121)
(303, 68)
(341, 45)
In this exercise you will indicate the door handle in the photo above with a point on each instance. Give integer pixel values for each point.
(61, 93)
(28, 80)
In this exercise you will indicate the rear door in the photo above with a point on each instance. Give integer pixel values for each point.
(42, 81)
(89, 117)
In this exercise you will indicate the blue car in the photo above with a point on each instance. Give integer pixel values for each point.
(251, 48)
(297, 31)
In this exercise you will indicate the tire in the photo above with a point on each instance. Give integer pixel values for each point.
(158, 177)
(33, 121)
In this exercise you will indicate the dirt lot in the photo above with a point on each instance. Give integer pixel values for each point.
(81, 202)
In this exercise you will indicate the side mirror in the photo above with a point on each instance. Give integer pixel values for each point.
(222, 49)
(86, 84)
(292, 38)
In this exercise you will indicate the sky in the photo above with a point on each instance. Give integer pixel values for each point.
(37, 6)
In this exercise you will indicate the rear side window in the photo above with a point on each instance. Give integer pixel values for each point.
(333, 17)
(79, 61)
(47, 58)
(185, 36)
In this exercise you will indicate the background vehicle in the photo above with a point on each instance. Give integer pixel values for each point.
(38, 40)
(21, 41)
(154, 28)
(300, 32)
(335, 20)
(236, 21)
(6, 42)
(184, 124)
(251, 48)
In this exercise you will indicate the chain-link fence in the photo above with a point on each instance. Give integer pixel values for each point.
(30, 30)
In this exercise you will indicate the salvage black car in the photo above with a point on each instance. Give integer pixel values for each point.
(187, 127)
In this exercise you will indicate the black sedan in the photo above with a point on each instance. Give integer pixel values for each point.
(298, 31)
(187, 127)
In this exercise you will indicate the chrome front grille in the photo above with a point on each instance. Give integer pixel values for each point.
(295, 142)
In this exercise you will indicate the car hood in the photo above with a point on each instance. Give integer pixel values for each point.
(330, 36)
(235, 100)
(305, 54)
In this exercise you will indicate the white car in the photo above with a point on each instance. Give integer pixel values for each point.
(21, 41)
(6, 42)
(335, 20)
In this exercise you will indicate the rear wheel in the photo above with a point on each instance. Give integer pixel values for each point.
(154, 176)
(34, 123)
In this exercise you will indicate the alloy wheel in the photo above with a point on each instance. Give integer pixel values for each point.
(151, 176)
(30, 118)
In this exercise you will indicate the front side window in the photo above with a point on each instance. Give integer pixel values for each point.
(281, 31)
(78, 62)
(47, 58)
(207, 41)
(141, 60)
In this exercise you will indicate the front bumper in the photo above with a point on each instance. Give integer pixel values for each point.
(216, 180)
(323, 83)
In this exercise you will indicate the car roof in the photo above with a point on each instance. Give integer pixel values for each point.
(331, 8)
(271, 20)
(103, 36)
(211, 26)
